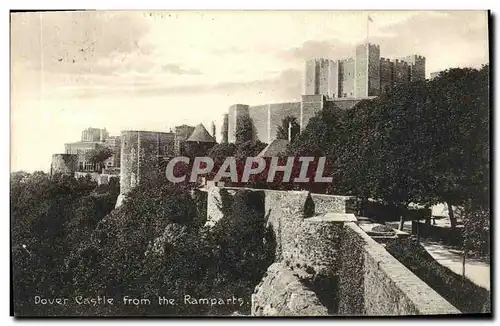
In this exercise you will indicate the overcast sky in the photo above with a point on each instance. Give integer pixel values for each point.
(155, 70)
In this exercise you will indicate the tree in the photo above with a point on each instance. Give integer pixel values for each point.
(50, 216)
(245, 130)
(322, 137)
(225, 129)
(459, 124)
(98, 155)
(282, 130)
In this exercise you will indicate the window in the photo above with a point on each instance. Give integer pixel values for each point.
(345, 94)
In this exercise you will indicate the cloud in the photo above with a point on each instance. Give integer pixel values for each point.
(332, 48)
(76, 42)
(178, 70)
(285, 86)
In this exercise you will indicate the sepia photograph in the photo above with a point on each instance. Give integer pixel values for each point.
(196, 163)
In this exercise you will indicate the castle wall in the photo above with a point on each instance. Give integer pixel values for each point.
(311, 83)
(373, 70)
(311, 243)
(334, 79)
(310, 105)
(367, 70)
(234, 112)
(401, 72)
(347, 83)
(417, 66)
(373, 282)
(277, 112)
(141, 155)
(386, 74)
(181, 134)
(323, 76)
(343, 103)
(64, 163)
(260, 120)
(361, 71)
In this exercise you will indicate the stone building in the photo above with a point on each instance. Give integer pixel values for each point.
(181, 134)
(266, 118)
(333, 84)
(142, 154)
(365, 74)
(92, 139)
(199, 142)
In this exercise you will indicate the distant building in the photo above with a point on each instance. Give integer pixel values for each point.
(181, 134)
(199, 142)
(92, 139)
(94, 134)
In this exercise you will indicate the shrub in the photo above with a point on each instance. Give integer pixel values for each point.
(459, 291)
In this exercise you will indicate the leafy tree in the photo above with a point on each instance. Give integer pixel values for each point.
(50, 217)
(323, 137)
(249, 149)
(245, 130)
(458, 124)
(98, 155)
(225, 129)
(282, 130)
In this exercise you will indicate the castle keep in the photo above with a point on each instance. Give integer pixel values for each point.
(331, 84)
(365, 74)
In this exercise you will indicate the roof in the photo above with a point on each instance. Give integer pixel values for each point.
(201, 135)
(275, 148)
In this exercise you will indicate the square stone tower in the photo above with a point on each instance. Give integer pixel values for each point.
(367, 70)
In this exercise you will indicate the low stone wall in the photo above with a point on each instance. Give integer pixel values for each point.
(375, 283)
(274, 199)
(318, 243)
(334, 204)
(281, 293)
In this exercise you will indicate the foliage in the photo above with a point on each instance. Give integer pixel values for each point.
(282, 130)
(98, 155)
(50, 217)
(460, 292)
(424, 142)
(225, 129)
(245, 129)
(155, 245)
(477, 229)
(249, 149)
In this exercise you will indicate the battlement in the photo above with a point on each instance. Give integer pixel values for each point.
(400, 62)
(346, 60)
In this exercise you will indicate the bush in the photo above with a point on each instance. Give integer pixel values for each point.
(51, 217)
(476, 233)
(460, 292)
